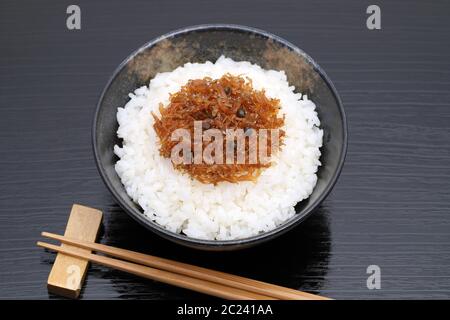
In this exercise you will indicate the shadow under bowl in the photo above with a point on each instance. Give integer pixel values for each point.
(207, 43)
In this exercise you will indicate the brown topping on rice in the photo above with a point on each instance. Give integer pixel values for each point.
(226, 103)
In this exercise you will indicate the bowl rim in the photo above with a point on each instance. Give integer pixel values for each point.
(202, 243)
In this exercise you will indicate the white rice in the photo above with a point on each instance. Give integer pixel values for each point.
(227, 210)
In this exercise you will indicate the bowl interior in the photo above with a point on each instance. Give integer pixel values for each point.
(200, 44)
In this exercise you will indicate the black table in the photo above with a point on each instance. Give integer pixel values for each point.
(391, 206)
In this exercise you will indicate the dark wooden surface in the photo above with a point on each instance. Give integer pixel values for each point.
(391, 206)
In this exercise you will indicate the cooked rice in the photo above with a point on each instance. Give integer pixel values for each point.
(228, 210)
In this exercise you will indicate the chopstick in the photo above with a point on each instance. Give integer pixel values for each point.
(257, 287)
(175, 279)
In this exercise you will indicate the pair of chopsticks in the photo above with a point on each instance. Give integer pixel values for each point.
(179, 274)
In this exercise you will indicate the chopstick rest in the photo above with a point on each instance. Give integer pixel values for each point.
(68, 272)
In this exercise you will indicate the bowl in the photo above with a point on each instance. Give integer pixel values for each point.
(209, 42)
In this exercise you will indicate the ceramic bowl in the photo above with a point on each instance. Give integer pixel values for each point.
(207, 43)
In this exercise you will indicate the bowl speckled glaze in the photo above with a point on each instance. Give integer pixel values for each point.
(209, 42)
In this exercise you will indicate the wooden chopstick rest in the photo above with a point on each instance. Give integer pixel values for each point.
(68, 272)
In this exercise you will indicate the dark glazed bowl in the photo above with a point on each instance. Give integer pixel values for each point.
(208, 42)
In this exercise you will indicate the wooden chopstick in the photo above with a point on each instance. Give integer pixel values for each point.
(218, 277)
(175, 279)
